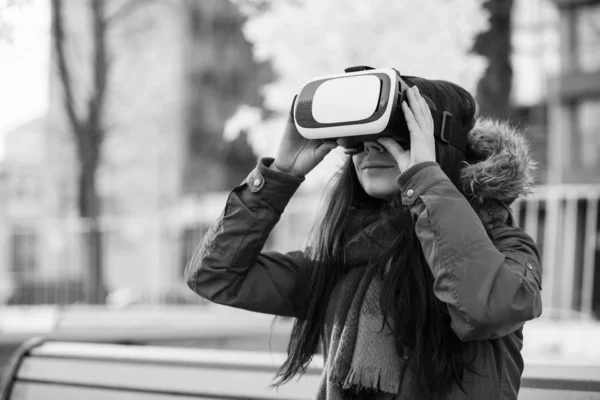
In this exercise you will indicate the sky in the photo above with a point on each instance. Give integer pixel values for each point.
(24, 67)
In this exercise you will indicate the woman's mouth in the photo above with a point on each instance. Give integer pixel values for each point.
(375, 165)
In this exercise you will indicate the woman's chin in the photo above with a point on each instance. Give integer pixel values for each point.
(385, 193)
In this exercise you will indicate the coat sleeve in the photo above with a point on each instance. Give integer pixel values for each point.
(490, 283)
(229, 266)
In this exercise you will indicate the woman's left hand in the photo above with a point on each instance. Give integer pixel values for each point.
(420, 124)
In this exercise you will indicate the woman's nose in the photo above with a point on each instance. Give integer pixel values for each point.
(375, 147)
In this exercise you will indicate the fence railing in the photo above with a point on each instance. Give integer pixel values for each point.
(565, 223)
(44, 262)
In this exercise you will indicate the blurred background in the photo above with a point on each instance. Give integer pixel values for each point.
(125, 123)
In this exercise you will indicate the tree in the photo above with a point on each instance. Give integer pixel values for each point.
(494, 87)
(303, 39)
(88, 130)
(99, 94)
(221, 74)
(86, 119)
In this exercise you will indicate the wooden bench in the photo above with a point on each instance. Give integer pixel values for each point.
(92, 371)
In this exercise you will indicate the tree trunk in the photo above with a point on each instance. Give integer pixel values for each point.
(494, 87)
(88, 133)
(90, 211)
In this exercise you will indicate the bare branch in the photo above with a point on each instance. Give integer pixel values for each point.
(64, 73)
(122, 12)
(131, 6)
(100, 72)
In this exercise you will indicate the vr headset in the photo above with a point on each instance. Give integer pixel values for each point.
(361, 105)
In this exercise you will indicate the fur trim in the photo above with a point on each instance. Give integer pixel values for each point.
(500, 166)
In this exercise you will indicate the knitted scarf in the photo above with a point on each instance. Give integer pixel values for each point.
(362, 357)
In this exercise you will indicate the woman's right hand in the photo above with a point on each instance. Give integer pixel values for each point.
(298, 155)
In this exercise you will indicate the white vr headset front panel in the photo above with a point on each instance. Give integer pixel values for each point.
(358, 102)
(335, 100)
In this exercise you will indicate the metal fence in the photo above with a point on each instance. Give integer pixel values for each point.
(44, 262)
(144, 257)
(565, 223)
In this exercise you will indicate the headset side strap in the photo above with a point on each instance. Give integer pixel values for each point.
(447, 131)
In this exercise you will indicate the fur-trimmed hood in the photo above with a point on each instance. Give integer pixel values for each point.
(500, 167)
(500, 163)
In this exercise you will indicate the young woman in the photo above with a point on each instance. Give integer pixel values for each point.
(418, 283)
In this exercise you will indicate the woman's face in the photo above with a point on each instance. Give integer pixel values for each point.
(377, 171)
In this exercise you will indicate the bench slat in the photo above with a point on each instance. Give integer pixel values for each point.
(564, 371)
(54, 370)
(162, 378)
(170, 356)
(547, 394)
(37, 391)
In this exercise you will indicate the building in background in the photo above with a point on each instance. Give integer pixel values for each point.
(535, 58)
(574, 101)
(557, 97)
(22, 188)
(574, 159)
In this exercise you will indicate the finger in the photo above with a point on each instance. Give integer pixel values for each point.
(327, 144)
(412, 124)
(323, 149)
(422, 102)
(417, 109)
(291, 113)
(392, 146)
(421, 114)
(413, 102)
(401, 156)
(333, 143)
(428, 118)
(423, 118)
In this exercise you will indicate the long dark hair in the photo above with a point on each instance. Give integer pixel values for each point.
(407, 293)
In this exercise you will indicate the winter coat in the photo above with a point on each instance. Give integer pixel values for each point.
(485, 269)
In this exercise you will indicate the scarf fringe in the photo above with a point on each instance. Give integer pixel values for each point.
(369, 378)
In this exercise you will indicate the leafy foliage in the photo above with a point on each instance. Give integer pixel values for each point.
(303, 39)
(7, 10)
